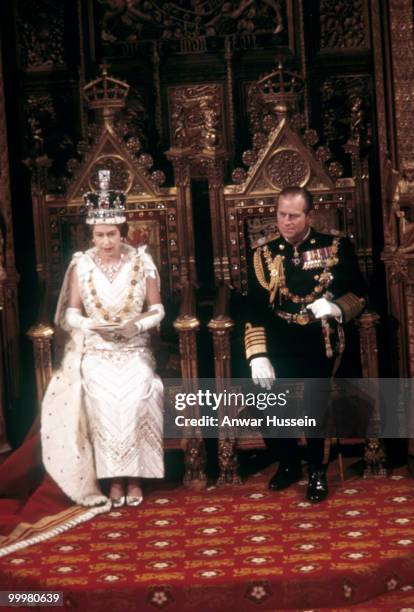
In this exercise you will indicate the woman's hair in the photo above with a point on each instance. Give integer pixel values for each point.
(123, 229)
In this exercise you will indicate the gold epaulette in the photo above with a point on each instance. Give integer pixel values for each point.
(254, 340)
(258, 242)
(259, 270)
(351, 306)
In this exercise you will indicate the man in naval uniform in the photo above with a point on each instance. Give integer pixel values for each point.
(304, 287)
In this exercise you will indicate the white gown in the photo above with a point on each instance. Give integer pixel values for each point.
(102, 411)
(123, 396)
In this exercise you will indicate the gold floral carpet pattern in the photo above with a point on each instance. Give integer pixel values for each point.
(235, 549)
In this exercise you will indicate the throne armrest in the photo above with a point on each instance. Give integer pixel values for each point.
(41, 336)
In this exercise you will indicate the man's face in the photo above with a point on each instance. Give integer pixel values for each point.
(292, 220)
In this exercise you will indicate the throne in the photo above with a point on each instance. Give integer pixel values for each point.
(154, 218)
(285, 152)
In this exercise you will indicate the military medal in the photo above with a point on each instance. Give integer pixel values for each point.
(296, 257)
(302, 318)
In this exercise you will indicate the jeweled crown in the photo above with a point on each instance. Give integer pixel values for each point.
(106, 205)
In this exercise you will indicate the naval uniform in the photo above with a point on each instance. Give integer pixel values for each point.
(283, 280)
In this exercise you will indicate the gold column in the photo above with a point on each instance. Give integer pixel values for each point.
(41, 336)
(187, 326)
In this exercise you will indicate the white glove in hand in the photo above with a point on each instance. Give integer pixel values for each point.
(151, 320)
(128, 329)
(75, 320)
(263, 373)
(324, 308)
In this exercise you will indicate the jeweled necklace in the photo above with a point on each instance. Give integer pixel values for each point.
(110, 270)
(124, 312)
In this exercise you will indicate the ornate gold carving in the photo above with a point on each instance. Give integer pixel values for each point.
(353, 113)
(402, 46)
(197, 121)
(343, 24)
(287, 167)
(195, 461)
(266, 97)
(41, 336)
(228, 463)
(123, 21)
(367, 323)
(106, 94)
(41, 34)
(374, 457)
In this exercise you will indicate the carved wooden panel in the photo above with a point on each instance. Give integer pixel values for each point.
(402, 33)
(188, 22)
(343, 24)
(346, 112)
(41, 26)
(197, 115)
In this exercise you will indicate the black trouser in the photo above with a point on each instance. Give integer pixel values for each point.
(318, 368)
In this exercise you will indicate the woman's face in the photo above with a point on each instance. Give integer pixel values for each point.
(107, 239)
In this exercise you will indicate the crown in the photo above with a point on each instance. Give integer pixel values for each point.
(106, 94)
(281, 87)
(106, 205)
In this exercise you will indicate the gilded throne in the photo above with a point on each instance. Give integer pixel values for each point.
(154, 214)
(285, 152)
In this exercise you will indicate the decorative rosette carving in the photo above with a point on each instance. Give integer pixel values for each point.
(145, 161)
(322, 154)
(249, 157)
(298, 122)
(269, 122)
(336, 169)
(133, 144)
(158, 177)
(239, 175)
(311, 137)
(259, 141)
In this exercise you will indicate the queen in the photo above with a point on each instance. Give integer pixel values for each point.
(102, 411)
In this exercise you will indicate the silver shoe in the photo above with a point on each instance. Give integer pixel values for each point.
(133, 500)
(118, 502)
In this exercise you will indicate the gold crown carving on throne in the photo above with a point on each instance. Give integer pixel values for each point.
(106, 95)
(106, 205)
(281, 88)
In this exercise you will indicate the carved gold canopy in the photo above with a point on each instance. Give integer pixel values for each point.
(283, 159)
(151, 210)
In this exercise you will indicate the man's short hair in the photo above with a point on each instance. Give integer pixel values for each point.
(291, 192)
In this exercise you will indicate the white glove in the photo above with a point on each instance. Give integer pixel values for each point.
(263, 373)
(151, 320)
(128, 329)
(324, 308)
(74, 319)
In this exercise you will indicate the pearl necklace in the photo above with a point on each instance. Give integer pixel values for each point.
(109, 270)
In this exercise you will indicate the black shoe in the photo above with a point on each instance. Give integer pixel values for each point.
(317, 486)
(287, 474)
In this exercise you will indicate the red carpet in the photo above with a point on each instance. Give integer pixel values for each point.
(235, 549)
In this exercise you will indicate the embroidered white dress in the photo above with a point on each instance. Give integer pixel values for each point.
(102, 411)
(123, 395)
